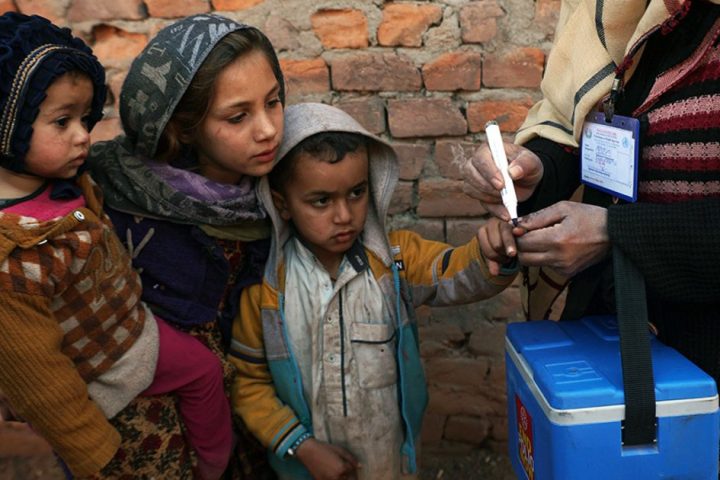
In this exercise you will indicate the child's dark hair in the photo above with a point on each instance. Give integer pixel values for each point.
(328, 147)
(192, 109)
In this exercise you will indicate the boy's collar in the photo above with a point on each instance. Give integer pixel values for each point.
(357, 256)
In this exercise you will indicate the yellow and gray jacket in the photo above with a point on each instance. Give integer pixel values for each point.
(410, 271)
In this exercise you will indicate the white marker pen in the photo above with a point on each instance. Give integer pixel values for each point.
(495, 141)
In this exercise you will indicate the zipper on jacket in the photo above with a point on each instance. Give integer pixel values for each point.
(341, 320)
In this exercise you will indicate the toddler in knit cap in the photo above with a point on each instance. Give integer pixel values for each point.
(77, 344)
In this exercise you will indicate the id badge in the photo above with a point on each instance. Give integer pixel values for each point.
(609, 155)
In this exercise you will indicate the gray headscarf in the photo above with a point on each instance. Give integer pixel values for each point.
(155, 83)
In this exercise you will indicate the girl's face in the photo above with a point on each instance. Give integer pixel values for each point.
(241, 133)
(60, 139)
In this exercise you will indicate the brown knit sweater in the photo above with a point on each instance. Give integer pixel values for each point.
(69, 311)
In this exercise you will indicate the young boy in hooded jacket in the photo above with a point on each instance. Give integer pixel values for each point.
(330, 377)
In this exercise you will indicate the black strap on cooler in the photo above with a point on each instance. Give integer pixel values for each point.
(639, 427)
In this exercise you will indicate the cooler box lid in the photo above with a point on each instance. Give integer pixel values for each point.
(576, 365)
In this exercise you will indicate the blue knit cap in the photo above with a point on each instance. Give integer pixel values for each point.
(33, 53)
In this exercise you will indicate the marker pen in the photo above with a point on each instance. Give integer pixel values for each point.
(495, 141)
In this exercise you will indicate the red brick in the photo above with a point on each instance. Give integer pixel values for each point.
(433, 349)
(460, 231)
(522, 67)
(114, 82)
(368, 111)
(506, 304)
(432, 429)
(452, 401)
(488, 340)
(449, 335)
(425, 117)
(423, 315)
(50, 9)
(403, 24)
(445, 198)
(481, 400)
(450, 156)
(496, 372)
(106, 129)
(230, 5)
(94, 10)
(547, 13)
(305, 76)
(465, 316)
(7, 6)
(412, 158)
(117, 48)
(499, 432)
(402, 199)
(509, 114)
(175, 9)
(457, 371)
(448, 401)
(478, 21)
(430, 228)
(345, 28)
(466, 429)
(282, 33)
(453, 71)
(372, 72)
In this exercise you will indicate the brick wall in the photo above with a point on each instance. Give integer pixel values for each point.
(425, 74)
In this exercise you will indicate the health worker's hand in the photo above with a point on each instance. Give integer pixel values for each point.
(484, 181)
(325, 461)
(566, 236)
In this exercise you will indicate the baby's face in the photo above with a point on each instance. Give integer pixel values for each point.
(328, 203)
(60, 138)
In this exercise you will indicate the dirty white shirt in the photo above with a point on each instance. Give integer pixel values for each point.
(346, 359)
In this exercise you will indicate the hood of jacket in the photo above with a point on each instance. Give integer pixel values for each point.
(306, 119)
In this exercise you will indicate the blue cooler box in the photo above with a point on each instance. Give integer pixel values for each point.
(566, 405)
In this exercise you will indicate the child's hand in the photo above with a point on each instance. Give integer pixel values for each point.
(497, 243)
(327, 462)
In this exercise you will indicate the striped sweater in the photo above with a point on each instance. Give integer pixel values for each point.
(672, 234)
(680, 118)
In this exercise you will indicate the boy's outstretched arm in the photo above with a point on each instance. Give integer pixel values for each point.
(439, 274)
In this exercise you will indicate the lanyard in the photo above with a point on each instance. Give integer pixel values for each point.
(618, 83)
